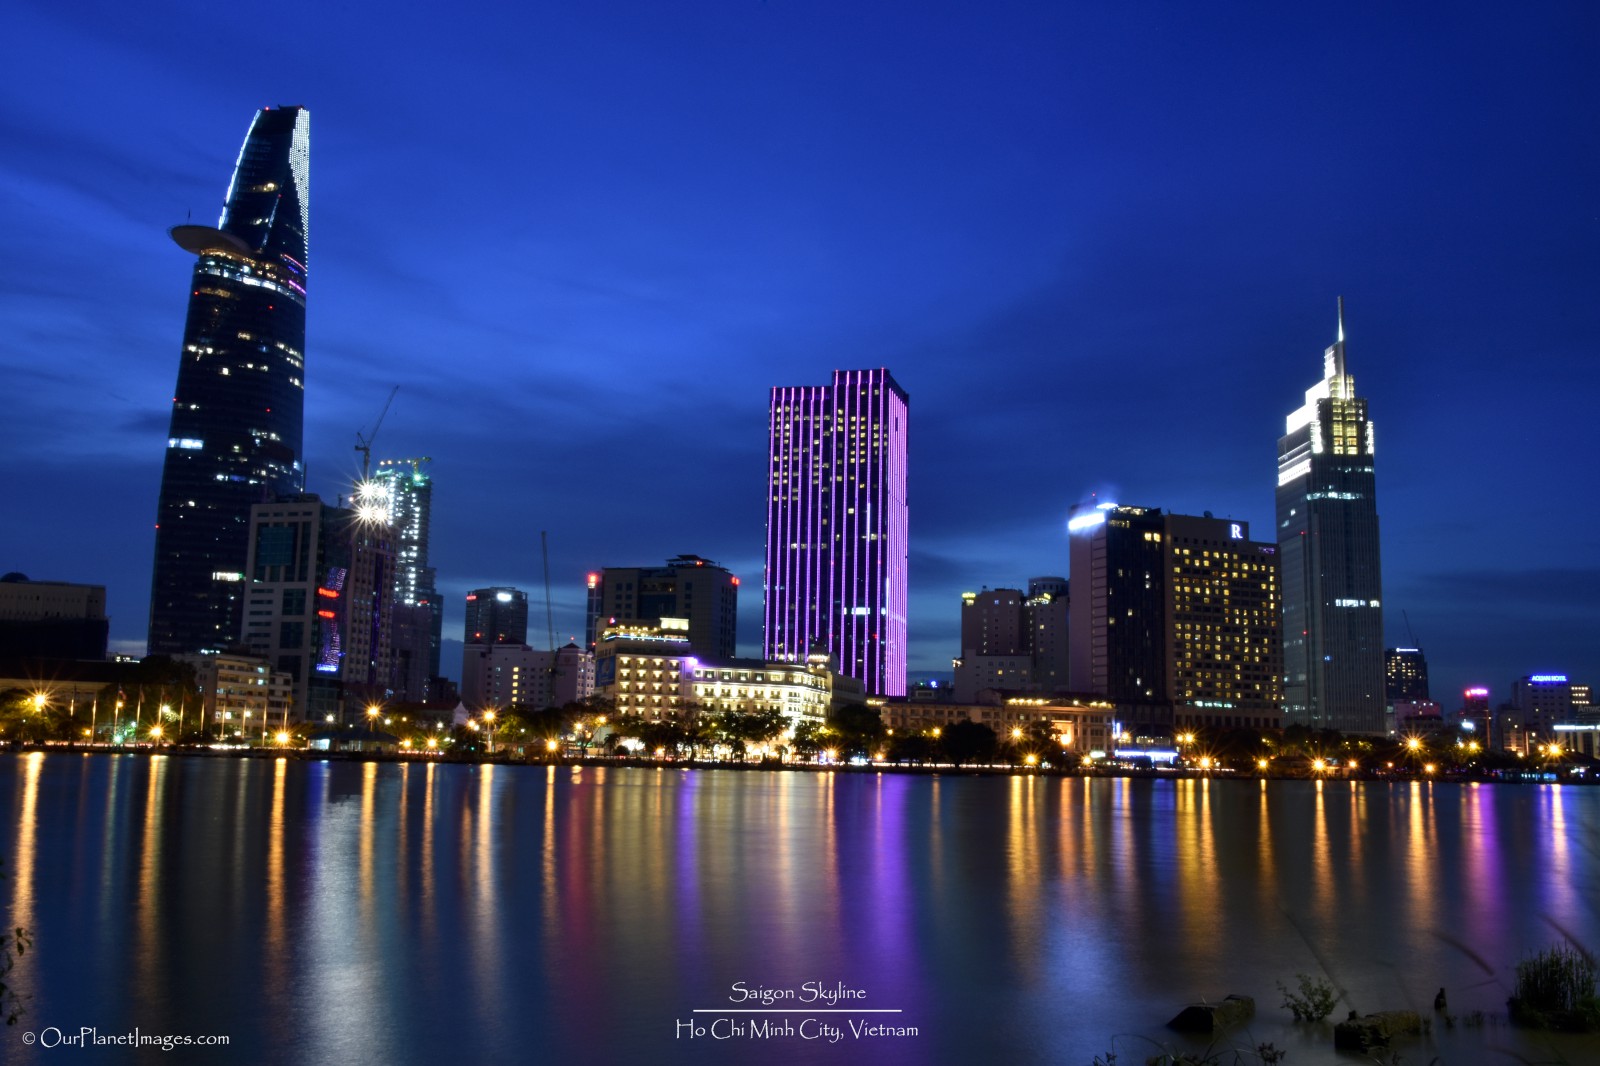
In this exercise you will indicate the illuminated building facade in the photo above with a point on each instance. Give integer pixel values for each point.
(405, 491)
(1328, 538)
(686, 587)
(237, 409)
(1542, 700)
(649, 670)
(1405, 675)
(1175, 619)
(497, 616)
(1077, 726)
(317, 603)
(242, 696)
(838, 546)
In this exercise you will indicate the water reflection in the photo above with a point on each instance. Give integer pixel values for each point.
(422, 913)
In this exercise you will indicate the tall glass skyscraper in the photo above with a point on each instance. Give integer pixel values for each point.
(235, 436)
(837, 541)
(1328, 542)
(406, 493)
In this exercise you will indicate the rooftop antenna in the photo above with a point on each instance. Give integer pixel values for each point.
(364, 444)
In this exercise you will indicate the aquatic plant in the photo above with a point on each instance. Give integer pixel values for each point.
(1556, 990)
(1315, 1000)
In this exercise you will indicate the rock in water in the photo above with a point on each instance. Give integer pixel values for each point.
(1373, 1031)
(1214, 1017)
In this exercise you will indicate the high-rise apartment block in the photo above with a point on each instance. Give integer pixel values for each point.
(1013, 641)
(497, 616)
(237, 408)
(317, 603)
(1328, 538)
(687, 587)
(838, 549)
(1175, 618)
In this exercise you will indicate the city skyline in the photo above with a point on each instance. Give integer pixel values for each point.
(986, 204)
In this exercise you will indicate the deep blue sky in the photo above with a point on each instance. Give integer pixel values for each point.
(1099, 244)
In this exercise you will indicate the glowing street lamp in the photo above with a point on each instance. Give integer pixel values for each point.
(282, 738)
(488, 718)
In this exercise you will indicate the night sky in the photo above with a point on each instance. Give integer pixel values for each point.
(1100, 245)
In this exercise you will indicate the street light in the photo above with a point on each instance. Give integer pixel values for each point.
(488, 716)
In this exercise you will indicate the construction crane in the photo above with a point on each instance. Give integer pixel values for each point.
(549, 614)
(364, 443)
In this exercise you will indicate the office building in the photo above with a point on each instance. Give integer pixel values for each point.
(1405, 675)
(317, 603)
(1328, 539)
(51, 619)
(405, 491)
(1475, 716)
(242, 696)
(1541, 701)
(496, 616)
(1175, 618)
(494, 676)
(687, 587)
(235, 433)
(1013, 641)
(837, 555)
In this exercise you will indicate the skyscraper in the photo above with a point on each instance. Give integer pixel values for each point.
(1328, 540)
(317, 584)
(837, 536)
(235, 436)
(406, 493)
(496, 616)
(1175, 618)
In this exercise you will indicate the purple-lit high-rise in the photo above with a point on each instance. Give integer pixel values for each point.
(837, 542)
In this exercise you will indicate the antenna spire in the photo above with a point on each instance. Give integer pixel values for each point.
(1341, 320)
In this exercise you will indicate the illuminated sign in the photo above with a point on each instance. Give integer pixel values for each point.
(328, 593)
(503, 597)
(1235, 530)
(1548, 679)
(1478, 692)
(1086, 521)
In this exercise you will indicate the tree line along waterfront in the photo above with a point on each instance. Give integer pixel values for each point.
(156, 708)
